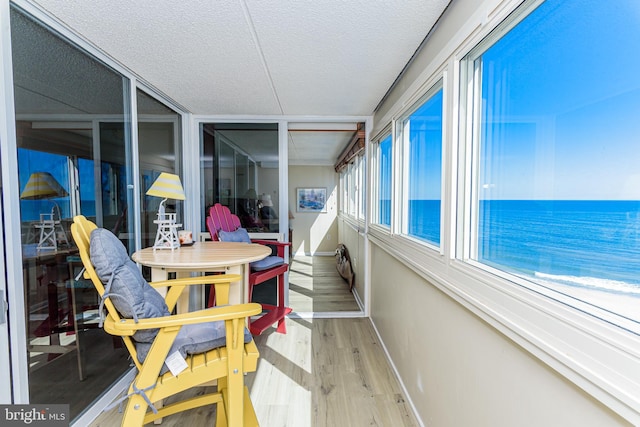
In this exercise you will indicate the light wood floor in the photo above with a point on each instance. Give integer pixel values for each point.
(323, 372)
(316, 287)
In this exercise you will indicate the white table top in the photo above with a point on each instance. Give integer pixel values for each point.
(202, 256)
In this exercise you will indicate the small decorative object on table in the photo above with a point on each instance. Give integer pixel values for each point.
(185, 237)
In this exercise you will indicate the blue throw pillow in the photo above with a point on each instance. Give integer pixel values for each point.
(130, 293)
(240, 235)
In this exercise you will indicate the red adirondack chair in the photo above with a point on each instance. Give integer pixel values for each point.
(219, 219)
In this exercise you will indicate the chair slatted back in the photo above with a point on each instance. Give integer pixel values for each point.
(221, 218)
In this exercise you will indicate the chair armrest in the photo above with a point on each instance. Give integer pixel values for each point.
(198, 280)
(128, 327)
(176, 286)
(279, 245)
(271, 242)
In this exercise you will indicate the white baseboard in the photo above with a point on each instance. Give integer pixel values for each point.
(395, 371)
(356, 295)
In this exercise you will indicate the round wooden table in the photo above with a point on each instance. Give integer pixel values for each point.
(204, 256)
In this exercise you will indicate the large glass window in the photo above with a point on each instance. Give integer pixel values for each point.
(353, 179)
(352, 192)
(361, 186)
(383, 159)
(159, 145)
(556, 187)
(240, 169)
(422, 139)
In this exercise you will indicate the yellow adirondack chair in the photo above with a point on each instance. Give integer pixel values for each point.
(226, 364)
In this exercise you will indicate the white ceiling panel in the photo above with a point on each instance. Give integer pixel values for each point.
(339, 57)
(258, 57)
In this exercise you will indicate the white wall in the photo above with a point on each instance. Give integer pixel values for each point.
(314, 233)
(458, 370)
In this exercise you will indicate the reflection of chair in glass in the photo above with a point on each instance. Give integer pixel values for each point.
(225, 226)
(51, 229)
(207, 345)
(42, 185)
(61, 307)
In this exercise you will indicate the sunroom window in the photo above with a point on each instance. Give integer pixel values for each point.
(351, 189)
(360, 186)
(422, 146)
(556, 164)
(382, 177)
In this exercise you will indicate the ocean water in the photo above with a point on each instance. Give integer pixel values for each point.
(30, 209)
(587, 244)
(593, 244)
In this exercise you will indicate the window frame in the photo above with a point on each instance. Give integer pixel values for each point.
(361, 168)
(591, 353)
(375, 166)
(402, 142)
(542, 321)
(353, 184)
(471, 78)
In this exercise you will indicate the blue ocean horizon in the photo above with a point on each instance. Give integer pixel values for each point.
(575, 242)
(30, 210)
(583, 243)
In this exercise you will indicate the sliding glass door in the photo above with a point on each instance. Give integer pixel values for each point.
(5, 365)
(240, 169)
(159, 148)
(73, 133)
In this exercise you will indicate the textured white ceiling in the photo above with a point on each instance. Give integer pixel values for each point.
(259, 57)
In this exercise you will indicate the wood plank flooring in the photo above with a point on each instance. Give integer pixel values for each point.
(323, 372)
(316, 287)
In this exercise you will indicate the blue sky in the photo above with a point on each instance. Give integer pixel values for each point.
(425, 164)
(561, 95)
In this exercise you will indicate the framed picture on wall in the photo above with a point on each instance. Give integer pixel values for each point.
(311, 199)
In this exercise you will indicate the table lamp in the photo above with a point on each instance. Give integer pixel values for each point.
(167, 186)
(42, 185)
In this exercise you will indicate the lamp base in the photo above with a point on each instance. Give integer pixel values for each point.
(167, 235)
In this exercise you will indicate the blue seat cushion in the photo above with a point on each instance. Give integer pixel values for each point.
(267, 263)
(194, 339)
(241, 235)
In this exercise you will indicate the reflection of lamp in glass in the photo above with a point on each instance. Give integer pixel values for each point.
(42, 185)
(167, 186)
(265, 199)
